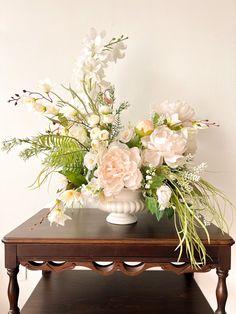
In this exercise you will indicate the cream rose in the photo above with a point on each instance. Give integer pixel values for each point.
(126, 135)
(119, 168)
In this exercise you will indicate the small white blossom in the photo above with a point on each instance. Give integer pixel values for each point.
(104, 135)
(108, 118)
(93, 120)
(105, 109)
(163, 196)
(68, 197)
(57, 214)
(39, 107)
(69, 112)
(94, 133)
(118, 52)
(90, 160)
(52, 109)
(46, 85)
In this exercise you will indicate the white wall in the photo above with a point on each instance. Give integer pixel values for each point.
(178, 49)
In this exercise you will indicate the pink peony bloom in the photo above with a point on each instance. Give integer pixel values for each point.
(119, 168)
(165, 144)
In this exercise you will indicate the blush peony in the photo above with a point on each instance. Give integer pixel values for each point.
(119, 168)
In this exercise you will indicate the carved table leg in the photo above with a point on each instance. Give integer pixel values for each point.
(221, 291)
(13, 290)
(46, 272)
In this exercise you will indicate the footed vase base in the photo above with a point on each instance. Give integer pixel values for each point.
(121, 219)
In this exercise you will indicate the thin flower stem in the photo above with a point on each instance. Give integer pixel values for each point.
(70, 105)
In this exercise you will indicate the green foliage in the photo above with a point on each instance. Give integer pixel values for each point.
(169, 212)
(61, 153)
(155, 119)
(151, 204)
(134, 142)
(117, 125)
(74, 177)
(157, 182)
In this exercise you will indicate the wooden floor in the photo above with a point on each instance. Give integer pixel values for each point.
(85, 292)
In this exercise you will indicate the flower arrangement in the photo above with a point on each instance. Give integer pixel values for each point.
(97, 157)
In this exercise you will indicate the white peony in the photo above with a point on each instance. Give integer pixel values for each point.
(163, 196)
(176, 111)
(167, 144)
(90, 160)
(79, 133)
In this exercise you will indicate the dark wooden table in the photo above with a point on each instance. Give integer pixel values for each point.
(88, 238)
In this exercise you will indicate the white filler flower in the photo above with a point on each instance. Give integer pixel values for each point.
(163, 196)
(90, 160)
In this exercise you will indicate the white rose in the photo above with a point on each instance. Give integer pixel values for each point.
(94, 133)
(163, 196)
(93, 120)
(104, 135)
(79, 133)
(109, 118)
(126, 135)
(90, 160)
(105, 109)
(46, 85)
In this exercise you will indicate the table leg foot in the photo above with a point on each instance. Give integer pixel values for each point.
(46, 272)
(221, 291)
(13, 290)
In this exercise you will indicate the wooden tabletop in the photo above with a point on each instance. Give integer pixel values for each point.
(90, 226)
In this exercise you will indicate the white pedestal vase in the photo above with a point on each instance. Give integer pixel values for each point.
(122, 207)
